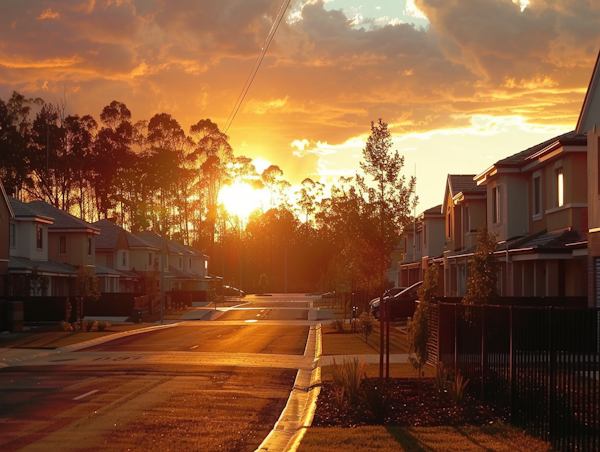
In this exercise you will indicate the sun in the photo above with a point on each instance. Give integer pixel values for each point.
(240, 199)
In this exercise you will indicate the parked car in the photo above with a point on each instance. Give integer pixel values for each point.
(387, 294)
(402, 305)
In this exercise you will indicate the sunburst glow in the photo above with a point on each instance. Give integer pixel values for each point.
(240, 199)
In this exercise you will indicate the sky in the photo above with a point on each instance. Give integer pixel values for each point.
(461, 83)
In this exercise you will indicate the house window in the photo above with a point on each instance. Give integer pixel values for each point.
(424, 234)
(496, 205)
(39, 236)
(560, 187)
(190, 262)
(449, 226)
(124, 261)
(109, 260)
(537, 194)
(89, 246)
(149, 258)
(180, 262)
(62, 244)
(467, 220)
(13, 235)
(419, 242)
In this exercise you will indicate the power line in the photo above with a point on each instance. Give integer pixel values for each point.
(257, 63)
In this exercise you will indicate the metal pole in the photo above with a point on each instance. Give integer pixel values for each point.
(381, 344)
(162, 273)
(387, 341)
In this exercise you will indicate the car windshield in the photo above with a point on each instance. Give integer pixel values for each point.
(410, 291)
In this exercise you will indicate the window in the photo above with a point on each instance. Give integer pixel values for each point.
(124, 261)
(190, 263)
(180, 262)
(62, 244)
(39, 237)
(467, 221)
(496, 205)
(13, 234)
(89, 246)
(449, 224)
(560, 187)
(149, 258)
(109, 260)
(537, 194)
(424, 234)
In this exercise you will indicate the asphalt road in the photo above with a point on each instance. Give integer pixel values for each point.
(186, 387)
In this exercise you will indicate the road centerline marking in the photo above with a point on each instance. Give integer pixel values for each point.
(82, 396)
(195, 346)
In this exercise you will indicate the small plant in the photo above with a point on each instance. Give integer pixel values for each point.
(66, 326)
(347, 380)
(338, 325)
(89, 324)
(441, 378)
(457, 388)
(376, 397)
(366, 321)
(102, 325)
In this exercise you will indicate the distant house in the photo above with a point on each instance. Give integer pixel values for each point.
(423, 240)
(464, 209)
(114, 257)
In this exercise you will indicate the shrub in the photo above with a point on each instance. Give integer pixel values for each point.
(89, 324)
(457, 388)
(338, 325)
(441, 378)
(376, 397)
(102, 325)
(66, 326)
(347, 380)
(366, 320)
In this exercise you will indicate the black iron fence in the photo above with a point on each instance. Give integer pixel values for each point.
(540, 365)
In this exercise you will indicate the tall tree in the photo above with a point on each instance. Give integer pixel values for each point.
(392, 193)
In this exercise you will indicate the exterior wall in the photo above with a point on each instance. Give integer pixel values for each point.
(138, 259)
(27, 243)
(477, 214)
(514, 207)
(77, 248)
(434, 229)
(449, 219)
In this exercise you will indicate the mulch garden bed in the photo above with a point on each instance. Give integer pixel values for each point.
(433, 409)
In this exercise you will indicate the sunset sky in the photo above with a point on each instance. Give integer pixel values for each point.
(462, 83)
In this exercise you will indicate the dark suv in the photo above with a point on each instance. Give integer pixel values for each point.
(402, 305)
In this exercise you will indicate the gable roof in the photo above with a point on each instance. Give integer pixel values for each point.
(590, 110)
(62, 220)
(156, 240)
(109, 234)
(464, 184)
(22, 210)
(136, 242)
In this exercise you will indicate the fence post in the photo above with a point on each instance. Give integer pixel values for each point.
(455, 339)
(552, 372)
(512, 373)
(483, 317)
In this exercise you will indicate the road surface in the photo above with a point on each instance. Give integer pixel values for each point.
(195, 386)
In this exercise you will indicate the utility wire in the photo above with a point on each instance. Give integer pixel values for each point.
(257, 63)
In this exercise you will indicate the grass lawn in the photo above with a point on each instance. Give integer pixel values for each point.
(498, 437)
(335, 343)
(53, 336)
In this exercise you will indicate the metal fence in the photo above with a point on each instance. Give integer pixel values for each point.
(540, 365)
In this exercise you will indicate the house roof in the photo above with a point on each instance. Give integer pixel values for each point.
(24, 264)
(156, 240)
(105, 271)
(586, 121)
(109, 234)
(136, 242)
(62, 220)
(196, 252)
(437, 210)
(463, 183)
(20, 209)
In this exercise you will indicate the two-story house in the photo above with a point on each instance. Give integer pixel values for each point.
(423, 240)
(464, 209)
(7, 234)
(537, 208)
(30, 270)
(114, 253)
(589, 124)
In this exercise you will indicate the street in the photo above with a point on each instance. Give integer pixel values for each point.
(217, 385)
